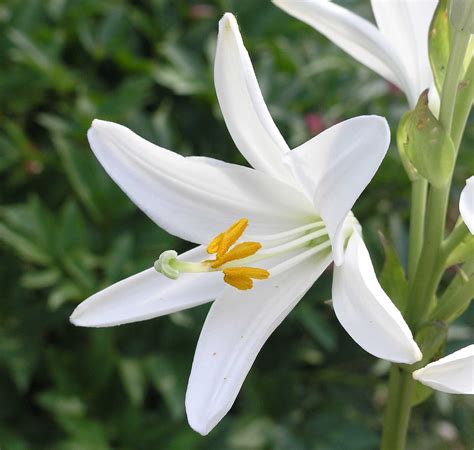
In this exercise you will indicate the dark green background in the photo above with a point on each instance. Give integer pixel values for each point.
(66, 231)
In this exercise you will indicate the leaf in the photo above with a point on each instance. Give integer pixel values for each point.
(421, 394)
(392, 278)
(316, 325)
(40, 279)
(24, 247)
(164, 379)
(439, 43)
(133, 379)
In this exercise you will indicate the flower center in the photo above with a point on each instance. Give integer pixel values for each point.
(237, 260)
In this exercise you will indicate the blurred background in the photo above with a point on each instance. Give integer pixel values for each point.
(67, 231)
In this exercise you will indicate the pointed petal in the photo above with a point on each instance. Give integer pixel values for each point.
(242, 104)
(466, 204)
(149, 294)
(453, 374)
(358, 37)
(409, 21)
(192, 199)
(235, 330)
(366, 312)
(336, 166)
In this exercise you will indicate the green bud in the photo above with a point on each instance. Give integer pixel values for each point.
(427, 145)
(461, 14)
(439, 43)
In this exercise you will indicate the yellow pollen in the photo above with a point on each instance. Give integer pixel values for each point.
(214, 245)
(240, 251)
(241, 277)
(221, 243)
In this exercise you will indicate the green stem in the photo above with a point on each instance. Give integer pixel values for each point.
(458, 235)
(417, 224)
(397, 413)
(452, 307)
(425, 269)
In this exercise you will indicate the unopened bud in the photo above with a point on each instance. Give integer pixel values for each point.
(461, 15)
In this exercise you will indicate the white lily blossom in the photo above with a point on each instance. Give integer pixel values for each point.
(397, 48)
(453, 374)
(292, 209)
(466, 204)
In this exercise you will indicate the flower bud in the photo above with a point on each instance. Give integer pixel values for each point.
(427, 145)
(461, 15)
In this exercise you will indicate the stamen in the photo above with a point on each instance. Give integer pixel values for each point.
(231, 236)
(240, 251)
(285, 234)
(279, 268)
(221, 243)
(241, 277)
(214, 244)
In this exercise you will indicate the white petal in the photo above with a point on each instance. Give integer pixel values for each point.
(242, 104)
(358, 37)
(366, 312)
(406, 24)
(149, 294)
(466, 204)
(335, 167)
(453, 374)
(235, 330)
(192, 199)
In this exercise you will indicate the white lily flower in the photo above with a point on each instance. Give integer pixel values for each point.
(294, 210)
(466, 204)
(397, 48)
(453, 374)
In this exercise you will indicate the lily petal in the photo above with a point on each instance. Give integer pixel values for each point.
(466, 204)
(149, 294)
(409, 21)
(453, 374)
(366, 312)
(188, 198)
(242, 104)
(237, 326)
(335, 167)
(357, 36)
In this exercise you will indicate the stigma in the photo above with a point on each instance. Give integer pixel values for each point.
(238, 260)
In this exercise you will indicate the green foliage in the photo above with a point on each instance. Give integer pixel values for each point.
(67, 231)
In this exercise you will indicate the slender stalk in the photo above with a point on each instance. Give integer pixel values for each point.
(425, 268)
(397, 413)
(417, 224)
(459, 233)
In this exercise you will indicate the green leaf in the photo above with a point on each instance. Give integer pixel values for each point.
(133, 379)
(428, 146)
(392, 278)
(24, 247)
(40, 279)
(316, 325)
(164, 379)
(421, 394)
(439, 43)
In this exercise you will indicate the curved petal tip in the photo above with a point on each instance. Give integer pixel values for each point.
(466, 204)
(453, 374)
(365, 310)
